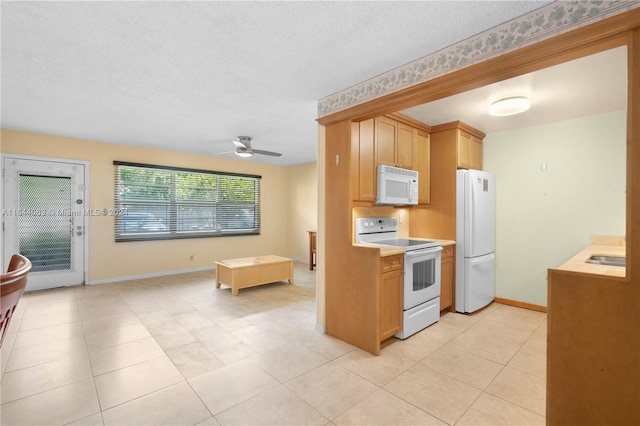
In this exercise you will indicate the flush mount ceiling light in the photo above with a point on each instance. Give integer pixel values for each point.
(509, 106)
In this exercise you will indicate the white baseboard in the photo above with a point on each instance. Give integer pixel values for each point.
(163, 273)
(321, 329)
(151, 275)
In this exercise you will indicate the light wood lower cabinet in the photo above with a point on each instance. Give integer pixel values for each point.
(446, 280)
(391, 294)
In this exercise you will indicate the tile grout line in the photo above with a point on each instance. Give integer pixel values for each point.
(93, 377)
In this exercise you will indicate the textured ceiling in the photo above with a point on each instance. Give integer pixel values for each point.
(191, 76)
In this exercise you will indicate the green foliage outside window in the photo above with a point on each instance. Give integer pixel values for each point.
(164, 203)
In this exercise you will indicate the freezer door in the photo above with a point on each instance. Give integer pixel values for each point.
(479, 213)
(478, 282)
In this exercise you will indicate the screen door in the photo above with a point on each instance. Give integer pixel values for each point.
(44, 219)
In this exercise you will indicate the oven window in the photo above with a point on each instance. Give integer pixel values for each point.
(424, 274)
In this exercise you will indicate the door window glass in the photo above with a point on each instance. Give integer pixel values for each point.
(44, 225)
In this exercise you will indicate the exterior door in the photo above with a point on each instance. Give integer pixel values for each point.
(44, 219)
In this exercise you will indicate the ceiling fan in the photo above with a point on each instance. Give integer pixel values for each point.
(244, 149)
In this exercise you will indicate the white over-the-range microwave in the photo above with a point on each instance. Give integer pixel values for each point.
(396, 186)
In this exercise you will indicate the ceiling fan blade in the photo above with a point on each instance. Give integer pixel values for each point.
(244, 149)
(224, 152)
(242, 142)
(271, 153)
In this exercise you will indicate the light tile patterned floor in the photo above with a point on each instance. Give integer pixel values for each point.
(177, 351)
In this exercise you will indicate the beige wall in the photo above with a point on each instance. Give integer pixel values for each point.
(544, 218)
(303, 208)
(108, 259)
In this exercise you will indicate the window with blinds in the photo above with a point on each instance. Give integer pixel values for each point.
(156, 202)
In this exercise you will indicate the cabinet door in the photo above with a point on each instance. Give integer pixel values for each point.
(390, 303)
(446, 283)
(406, 146)
(475, 153)
(464, 140)
(355, 162)
(391, 263)
(423, 166)
(386, 134)
(367, 176)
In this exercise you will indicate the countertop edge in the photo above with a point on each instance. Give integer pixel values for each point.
(390, 250)
(577, 263)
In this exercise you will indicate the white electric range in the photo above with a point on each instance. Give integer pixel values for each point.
(422, 264)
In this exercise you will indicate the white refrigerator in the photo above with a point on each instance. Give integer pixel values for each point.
(475, 239)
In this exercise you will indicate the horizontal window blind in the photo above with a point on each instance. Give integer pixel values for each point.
(155, 202)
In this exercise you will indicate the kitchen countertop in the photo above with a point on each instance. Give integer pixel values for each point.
(600, 246)
(390, 250)
(384, 250)
(446, 242)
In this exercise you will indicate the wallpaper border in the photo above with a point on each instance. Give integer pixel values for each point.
(546, 22)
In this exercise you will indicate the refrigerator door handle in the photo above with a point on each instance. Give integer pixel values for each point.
(483, 260)
(472, 217)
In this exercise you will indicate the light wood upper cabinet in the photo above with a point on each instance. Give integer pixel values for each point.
(363, 161)
(467, 141)
(469, 151)
(475, 153)
(423, 166)
(391, 296)
(386, 137)
(406, 146)
(396, 143)
(464, 139)
(392, 140)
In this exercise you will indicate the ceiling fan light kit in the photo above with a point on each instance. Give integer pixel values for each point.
(509, 106)
(240, 152)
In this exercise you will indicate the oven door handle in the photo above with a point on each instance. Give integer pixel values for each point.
(415, 253)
